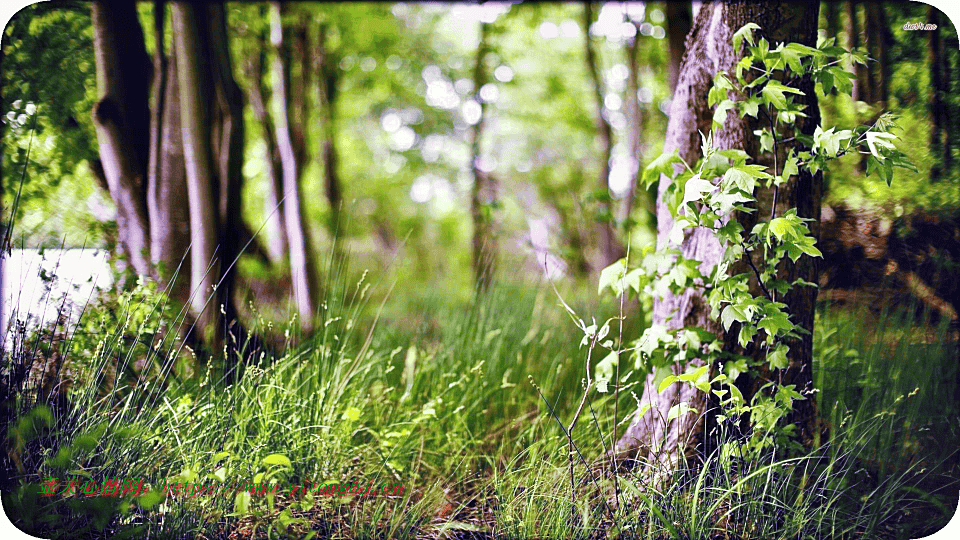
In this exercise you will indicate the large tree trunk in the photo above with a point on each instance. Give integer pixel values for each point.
(482, 193)
(610, 248)
(173, 163)
(710, 51)
(302, 261)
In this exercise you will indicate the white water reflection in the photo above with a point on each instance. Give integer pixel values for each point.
(37, 285)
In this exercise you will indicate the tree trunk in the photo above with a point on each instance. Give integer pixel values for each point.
(172, 163)
(327, 100)
(938, 94)
(861, 88)
(302, 262)
(635, 126)
(679, 19)
(123, 83)
(258, 96)
(195, 120)
(167, 186)
(710, 50)
(610, 248)
(879, 40)
(483, 191)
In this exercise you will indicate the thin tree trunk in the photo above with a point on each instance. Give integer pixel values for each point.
(679, 20)
(861, 88)
(258, 96)
(879, 40)
(327, 100)
(228, 151)
(610, 248)
(832, 17)
(302, 263)
(484, 242)
(938, 93)
(635, 136)
(664, 443)
(201, 171)
(123, 84)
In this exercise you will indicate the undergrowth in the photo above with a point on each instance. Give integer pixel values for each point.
(448, 407)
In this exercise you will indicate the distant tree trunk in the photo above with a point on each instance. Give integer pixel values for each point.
(939, 138)
(879, 40)
(303, 271)
(327, 101)
(635, 122)
(610, 248)
(258, 95)
(679, 20)
(861, 88)
(832, 16)
(710, 50)
(483, 191)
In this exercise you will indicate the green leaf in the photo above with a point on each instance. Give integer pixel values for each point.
(695, 188)
(874, 138)
(666, 383)
(679, 410)
(732, 313)
(277, 459)
(744, 33)
(611, 276)
(241, 503)
(720, 115)
(778, 357)
(604, 371)
(662, 165)
(750, 107)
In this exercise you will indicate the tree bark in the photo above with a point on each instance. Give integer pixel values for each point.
(879, 40)
(302, 261)
(123, 83)
(327, 95)
(167, 186)
(861, 88)
(610, 248)
(483, 191)
(662, 444)
(195, 120)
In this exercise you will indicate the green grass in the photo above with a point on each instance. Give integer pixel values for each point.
(446, 402)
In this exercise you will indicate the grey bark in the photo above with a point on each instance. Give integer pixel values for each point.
(302, 261)
(201, 187)
(123, 84)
